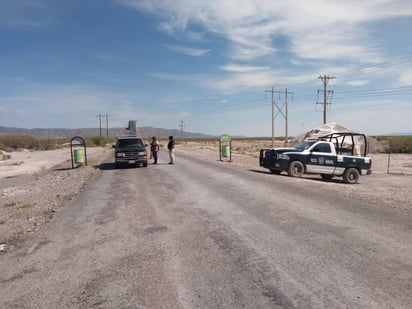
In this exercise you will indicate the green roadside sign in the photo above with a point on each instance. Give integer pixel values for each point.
(225, 138)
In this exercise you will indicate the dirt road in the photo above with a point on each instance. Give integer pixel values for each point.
(203, 234)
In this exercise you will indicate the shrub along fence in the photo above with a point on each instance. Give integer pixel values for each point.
(11, 142)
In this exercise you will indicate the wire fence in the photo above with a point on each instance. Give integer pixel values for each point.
(392, 163)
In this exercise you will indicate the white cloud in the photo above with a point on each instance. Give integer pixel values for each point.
(406, 78)
(197, 52)
(318, 29)
(252, 77)
(358, 82)
(243, 68)
(184, 114)
(240, 77)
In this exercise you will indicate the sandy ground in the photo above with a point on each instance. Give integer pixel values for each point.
(34, 185)
(244, 154)
(30, 162)
(392, 190)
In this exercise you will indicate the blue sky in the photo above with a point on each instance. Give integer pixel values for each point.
(206, 63)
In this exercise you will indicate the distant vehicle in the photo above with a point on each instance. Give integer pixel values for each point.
(335, 154)
(130, 150)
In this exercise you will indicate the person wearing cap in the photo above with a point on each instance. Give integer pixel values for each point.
(171, 147)
(154, 148)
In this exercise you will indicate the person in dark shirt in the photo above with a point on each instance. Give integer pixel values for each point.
(171, 147)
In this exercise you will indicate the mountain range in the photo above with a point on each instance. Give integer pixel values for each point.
(145, 132)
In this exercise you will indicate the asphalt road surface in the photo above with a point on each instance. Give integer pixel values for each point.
(201, 234)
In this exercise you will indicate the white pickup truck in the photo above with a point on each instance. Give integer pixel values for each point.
(336, 154)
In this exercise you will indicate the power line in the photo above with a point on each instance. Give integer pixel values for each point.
(241, 106)
(378, 67)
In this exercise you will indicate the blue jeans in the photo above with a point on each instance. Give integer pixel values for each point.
(155, 157)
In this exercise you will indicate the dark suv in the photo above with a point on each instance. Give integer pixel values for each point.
(130, 150)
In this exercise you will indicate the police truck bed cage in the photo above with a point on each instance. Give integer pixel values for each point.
(349, 143)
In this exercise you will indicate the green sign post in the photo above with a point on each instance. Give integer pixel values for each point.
(225, 150)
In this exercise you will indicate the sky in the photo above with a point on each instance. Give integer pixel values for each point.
(207, 66)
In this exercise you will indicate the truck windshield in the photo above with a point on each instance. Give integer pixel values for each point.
(130, 143)
(303, 145)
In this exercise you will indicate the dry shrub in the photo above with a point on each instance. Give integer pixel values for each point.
(10, 142)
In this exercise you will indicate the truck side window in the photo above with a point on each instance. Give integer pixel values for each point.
(323, 147)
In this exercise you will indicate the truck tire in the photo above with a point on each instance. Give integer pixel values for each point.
(351, 176)
(296, 169)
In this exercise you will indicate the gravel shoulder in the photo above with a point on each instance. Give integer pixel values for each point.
(35, 185)
(389, 190)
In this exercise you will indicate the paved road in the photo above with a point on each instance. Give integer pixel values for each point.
(206, 235)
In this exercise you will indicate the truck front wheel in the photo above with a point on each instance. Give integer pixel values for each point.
(296, 169)
(351, 176)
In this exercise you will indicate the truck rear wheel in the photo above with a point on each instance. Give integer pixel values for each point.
(351, 176)
(296, 169)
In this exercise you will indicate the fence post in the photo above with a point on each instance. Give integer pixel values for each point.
(389, 162)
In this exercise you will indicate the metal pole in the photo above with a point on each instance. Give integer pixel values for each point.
(324, 99)
(107, 127)
(286, 120)
(389, 162)
(273, 117)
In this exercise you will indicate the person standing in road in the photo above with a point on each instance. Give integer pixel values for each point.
(154, 148)
(171, 147)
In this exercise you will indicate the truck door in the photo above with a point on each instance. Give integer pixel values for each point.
(322, 159)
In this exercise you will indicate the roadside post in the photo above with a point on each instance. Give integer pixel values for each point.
(79, 156)
(225, 147)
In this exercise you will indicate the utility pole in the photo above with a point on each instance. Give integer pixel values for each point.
(273, 115)
(100, 124)
(107, 127)
(182, 126)
(325, 79)
(286, 118)
(279, 111)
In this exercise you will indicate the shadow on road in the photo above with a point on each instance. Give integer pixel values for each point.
(259, 171)
(108, 166)
(336, 180)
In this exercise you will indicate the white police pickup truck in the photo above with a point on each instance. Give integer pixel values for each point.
(335, 154)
